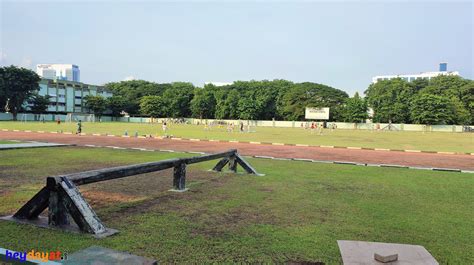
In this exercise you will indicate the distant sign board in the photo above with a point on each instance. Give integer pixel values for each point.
(317, 113)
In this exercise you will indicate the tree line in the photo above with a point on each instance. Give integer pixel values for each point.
(247, 100)
(441, 100)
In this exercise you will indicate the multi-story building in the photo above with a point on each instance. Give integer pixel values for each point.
(67, 96)
(69, 72)
(443, 70)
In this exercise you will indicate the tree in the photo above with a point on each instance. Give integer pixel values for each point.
(132, 91)
(395, 100)
(431, 109)
(247, 108)
(96, 104)
(459, 90)
(307, 94)
(16, 86)
(116, 104)
(39, 104)
(203, 104)
(355, 109)
(461, 114)
(227, 106)
(153, 106)
(178, 98)
(390, 100)
(467, 98)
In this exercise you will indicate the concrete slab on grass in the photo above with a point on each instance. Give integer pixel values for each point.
(100, 255)
(30, 145)
(361, 252)
(42, 222)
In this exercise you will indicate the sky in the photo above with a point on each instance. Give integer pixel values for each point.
(340, 43)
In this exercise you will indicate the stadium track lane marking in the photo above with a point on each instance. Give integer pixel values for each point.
(268, 143)
(300, 160)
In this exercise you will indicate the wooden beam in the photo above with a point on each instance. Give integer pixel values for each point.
(64, 199)
(120, 172)
(221, 164)
(125, 171)
(197, 159)
(35, 206)
(245, 165)
(57, 212)
(232, 163)
(79, 209)
(179, 177)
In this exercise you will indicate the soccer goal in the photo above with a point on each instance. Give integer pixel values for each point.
(90, 118)
(24, 117)
(251, 128)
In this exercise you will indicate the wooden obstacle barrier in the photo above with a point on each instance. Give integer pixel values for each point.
(63, 199)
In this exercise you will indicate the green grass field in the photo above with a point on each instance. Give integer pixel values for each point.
(434, 141)
(296, 212)
(7, 142)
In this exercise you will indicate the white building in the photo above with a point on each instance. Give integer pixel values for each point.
(67, 72)
(443, 70)
(218, 83)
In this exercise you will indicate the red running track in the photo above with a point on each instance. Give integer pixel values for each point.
(464, 162)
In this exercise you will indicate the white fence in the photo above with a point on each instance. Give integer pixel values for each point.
(272, 123)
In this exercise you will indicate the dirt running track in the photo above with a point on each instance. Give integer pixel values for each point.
(465, 162)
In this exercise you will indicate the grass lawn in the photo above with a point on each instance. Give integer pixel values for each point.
(8, 142)
(434, 141)
(296, 212)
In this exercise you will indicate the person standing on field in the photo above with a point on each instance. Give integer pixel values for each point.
(79, 127)
(165, 128)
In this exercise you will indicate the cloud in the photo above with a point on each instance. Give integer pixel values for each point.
(129, 78)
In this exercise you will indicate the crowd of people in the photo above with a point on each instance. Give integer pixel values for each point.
(230, 127)
(318, 126)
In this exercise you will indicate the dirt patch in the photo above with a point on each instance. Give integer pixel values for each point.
(216, 225)
(153, 190)
(103, 198)
(188, 206)
(265, 189)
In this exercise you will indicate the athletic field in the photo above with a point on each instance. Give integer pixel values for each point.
(431, 141)
(296, 212)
